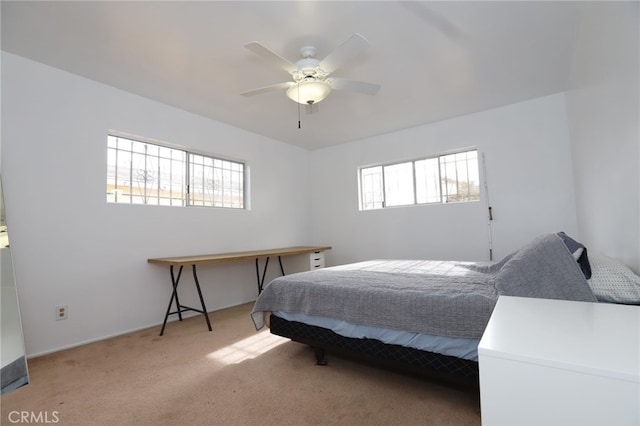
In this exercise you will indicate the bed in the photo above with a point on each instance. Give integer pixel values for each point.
(425, 317)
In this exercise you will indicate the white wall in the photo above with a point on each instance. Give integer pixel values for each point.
(530, 186)
(70, 247)
(603, 112)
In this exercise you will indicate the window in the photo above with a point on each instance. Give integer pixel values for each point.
(144, 173)
(442, 179)
(215, 182)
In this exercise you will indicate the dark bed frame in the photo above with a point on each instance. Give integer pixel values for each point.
(414, 361)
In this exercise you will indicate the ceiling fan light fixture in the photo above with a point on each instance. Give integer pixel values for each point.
(309, 92)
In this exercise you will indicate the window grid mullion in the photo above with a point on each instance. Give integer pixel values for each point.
(384, 189)
(203, 181)
(170, 159)
(115, 189)
(187, 195)
(415, 186)
(158, 178)
(443, 187)
(131, 174)
(456, 184)
(466, 165)
(145, 195)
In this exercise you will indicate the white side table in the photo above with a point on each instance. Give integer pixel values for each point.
(553, 362)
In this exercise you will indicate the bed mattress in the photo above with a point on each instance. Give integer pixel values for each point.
(464, 348)
(415, 361)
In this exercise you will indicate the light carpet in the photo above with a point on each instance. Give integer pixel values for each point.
(230, 376)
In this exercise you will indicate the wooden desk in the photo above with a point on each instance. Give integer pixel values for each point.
(182, 261)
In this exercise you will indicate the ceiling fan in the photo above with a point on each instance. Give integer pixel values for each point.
(311, 78)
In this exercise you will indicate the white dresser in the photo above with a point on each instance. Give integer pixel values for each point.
(316, 260)
(553, 362)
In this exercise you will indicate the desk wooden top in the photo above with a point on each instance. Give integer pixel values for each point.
(241, 255)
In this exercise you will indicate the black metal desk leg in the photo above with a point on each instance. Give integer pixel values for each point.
(264, 273)
(280, 262)
(174, 295)
(178, 308)
(204, 308)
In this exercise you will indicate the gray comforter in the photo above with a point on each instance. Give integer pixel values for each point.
(432, 297)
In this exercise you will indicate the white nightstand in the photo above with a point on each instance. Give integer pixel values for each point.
(554, 362)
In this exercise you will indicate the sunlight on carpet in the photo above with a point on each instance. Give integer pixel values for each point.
(248, 348)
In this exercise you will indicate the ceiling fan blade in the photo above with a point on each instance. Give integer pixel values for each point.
(271, 56)
(354, 86)
(271, 88)
(355, 45)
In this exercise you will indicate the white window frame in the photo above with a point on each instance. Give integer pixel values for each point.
(221, 182)
(375, 176)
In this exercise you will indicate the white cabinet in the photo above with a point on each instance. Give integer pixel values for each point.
(316, 260)
(554, 362)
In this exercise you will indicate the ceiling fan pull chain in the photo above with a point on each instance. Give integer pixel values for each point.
(298, 105)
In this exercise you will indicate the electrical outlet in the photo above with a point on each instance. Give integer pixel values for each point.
(62, 312)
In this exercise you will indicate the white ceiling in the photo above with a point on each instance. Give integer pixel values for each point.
(433, 60)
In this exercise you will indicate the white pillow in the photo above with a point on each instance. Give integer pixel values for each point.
(612, 281)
